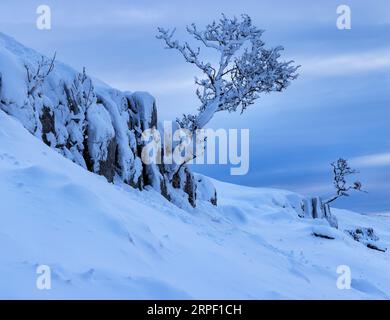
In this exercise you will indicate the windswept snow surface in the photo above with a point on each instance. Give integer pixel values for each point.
(111, 241)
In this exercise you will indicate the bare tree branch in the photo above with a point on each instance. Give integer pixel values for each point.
(36, 77)
(341, 170)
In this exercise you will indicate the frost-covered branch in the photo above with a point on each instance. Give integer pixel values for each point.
(245, 67)
(37, 75)
(190, 55)
(341, 170)
(83, 90)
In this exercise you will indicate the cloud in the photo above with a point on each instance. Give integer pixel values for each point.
(104, 16)
(310, 189)
(156, 86)
(346, 63)
(135, 15)
(372, 160)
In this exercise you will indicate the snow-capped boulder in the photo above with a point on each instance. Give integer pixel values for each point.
(367, 236)
(145, 105)
(205, 189)
(184, 180)
(101, 144)
(12, 78)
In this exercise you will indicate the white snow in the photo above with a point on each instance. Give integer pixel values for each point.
(205, 189)
(120, 123)
(13, 78)
(145, 103)
(100, 133)
(111, 241)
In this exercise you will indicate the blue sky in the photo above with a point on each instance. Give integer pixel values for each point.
(339, 106)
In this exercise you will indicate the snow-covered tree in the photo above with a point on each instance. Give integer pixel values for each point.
(341, 170)
(80, 97)
(35, 107)
(245, 68)
(82, 91)
(37, 74)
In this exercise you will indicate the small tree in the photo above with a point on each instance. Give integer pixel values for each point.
(36, 75)
(245, 67)
(341, 170)
(80, 96)
(82, 91)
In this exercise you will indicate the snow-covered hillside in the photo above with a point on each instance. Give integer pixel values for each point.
(98, 127)
(103, 240)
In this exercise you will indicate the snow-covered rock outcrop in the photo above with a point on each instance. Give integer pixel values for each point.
(88, 122)
(314, 208)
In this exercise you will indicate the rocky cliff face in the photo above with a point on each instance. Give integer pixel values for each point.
(90, 123)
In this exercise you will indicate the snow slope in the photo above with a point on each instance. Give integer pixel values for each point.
(112, 241)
